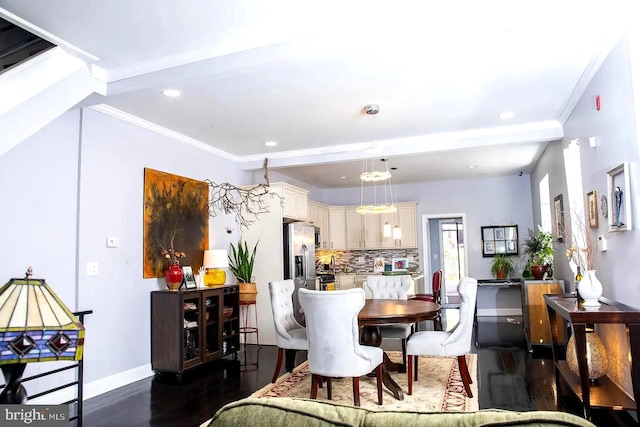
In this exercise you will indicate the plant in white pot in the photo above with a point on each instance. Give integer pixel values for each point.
(241, 262)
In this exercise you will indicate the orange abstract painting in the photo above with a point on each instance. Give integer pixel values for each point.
(175, 217)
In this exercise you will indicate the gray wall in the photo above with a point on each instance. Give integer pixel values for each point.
(70, 186)
(615, 128)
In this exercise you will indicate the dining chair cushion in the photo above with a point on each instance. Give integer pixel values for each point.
(333, 334)
(389, 287)
(399, 331)
(456, 342)
(289, 333)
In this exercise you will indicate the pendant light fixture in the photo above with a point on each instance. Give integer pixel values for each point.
(375, 184)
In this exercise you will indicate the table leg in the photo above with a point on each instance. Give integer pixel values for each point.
(581, 354)
(370, 335)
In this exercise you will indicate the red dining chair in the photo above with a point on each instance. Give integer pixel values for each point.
(436, 289)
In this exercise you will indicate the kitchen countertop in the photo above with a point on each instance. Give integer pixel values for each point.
(414, 276)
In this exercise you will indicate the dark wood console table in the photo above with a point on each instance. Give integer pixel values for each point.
(605, 394)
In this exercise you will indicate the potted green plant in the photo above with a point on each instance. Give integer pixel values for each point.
(539, 247)
(502, 266)
(241, 262)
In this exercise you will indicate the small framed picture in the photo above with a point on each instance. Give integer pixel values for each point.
(512, 247)
(559, 213)
(398, 264)
(592, 209)
(499, 232)
(189, 280)
(489, 248)
(378, 265)
(619, 193)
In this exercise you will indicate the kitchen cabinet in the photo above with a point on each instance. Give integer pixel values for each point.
(406, 219)
(345, 281)
(188, 328)
(337, 238)
(318, 215)
(536, 321)
(361, 230)
(295, 200)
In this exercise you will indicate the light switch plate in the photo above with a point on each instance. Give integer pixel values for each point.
(92, 268)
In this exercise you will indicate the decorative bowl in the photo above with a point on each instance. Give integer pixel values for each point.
(227, 312)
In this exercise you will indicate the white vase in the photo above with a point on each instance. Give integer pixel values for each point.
(590, 289)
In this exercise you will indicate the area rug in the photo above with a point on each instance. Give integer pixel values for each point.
(439, 387)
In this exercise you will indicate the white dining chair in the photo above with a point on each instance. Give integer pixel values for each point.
(334, 346)
(456, 342)
(392, 287)
(290, 335)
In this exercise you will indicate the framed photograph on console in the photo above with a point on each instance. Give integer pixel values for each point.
(189, 279)
(592, 209)
(559, 215)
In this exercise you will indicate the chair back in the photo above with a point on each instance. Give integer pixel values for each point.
(389, 287)
(333, 332)
(459, 342)
(281, 293)
(436, 282)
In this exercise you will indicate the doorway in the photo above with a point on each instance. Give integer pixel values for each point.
(443, 238)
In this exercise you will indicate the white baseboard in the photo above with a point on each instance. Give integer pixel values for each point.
(97, 387)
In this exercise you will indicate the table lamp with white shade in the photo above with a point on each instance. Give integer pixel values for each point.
(215, 260)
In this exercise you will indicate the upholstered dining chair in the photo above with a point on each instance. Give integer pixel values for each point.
(290, 335)
(392, 287)
(457, 342)
(434, 296)
(334, 346)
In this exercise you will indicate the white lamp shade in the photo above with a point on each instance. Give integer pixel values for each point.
(386, 231)
(215, 258)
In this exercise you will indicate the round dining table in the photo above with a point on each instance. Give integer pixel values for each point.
(378, 312)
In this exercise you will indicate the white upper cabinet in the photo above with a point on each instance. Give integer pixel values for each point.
(361, 230)
(406, 219)
(318, 215)
(295, 201)
(336, 228)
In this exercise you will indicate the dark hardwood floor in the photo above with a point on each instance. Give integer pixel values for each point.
(509, 377)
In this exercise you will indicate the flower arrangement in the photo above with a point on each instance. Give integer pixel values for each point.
(581, 253)
(169, 252)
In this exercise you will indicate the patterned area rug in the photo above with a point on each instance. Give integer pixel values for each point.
(439, 387)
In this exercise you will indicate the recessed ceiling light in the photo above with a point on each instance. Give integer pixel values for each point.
(270, 143)
(506, 115)
(344, 177)
(172, 93)
(472, 166)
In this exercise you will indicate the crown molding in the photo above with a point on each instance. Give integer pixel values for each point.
(145, 124)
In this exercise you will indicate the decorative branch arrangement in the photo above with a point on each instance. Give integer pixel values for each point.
(246, 202)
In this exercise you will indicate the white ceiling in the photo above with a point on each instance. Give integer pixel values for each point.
(300, 73)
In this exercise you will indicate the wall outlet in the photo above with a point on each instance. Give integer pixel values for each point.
(361, 260)
(92, 268)
(410, 258)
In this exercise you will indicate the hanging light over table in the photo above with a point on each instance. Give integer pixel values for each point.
(371, 178)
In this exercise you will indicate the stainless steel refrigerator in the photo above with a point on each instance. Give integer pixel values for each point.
(299, 260)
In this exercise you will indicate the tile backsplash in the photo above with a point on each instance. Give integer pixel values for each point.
(354, 261)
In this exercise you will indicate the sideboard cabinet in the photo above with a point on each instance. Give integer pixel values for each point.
(536, 321)
(189, 328)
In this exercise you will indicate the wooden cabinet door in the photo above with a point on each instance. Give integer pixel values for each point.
(370, 231)
(407, 221)
(289, 209)
(323, 223)
(336, 228)
(353, 229)
(301, 205)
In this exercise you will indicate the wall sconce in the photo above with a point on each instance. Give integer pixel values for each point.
(597, 361)
(214, 261)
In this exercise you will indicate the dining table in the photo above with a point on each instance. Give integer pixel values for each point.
(378, 312)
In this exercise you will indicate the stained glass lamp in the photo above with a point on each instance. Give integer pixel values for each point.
(35, 326)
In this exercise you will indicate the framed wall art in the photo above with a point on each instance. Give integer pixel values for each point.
(176, 218)
(499, 239)
(619, 192)
(559, 216)
(188, 277)
(592, 209)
